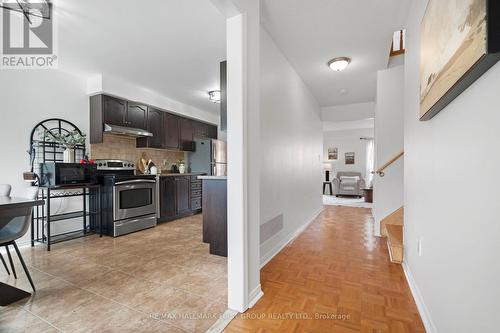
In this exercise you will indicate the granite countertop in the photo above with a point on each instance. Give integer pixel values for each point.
(213, 177)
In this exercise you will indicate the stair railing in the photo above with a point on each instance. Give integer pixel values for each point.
(380, 171)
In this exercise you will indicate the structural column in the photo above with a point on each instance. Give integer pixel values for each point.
(243, 145)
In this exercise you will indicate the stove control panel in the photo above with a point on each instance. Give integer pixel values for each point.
(114, 165)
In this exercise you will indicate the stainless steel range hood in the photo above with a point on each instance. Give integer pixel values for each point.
(128, 131)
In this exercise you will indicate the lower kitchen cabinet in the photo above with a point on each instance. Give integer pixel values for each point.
(182, 195)
(167, 198)
(179, 196)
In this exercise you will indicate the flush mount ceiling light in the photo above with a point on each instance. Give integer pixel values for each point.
(339, 64)
(214, 96)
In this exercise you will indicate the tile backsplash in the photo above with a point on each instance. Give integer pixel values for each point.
(124, 148)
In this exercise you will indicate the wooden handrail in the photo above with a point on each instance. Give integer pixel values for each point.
(380, 171)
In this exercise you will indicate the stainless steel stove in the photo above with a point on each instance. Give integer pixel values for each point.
(129, 200)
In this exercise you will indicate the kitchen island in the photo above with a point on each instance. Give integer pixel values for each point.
(214, 202)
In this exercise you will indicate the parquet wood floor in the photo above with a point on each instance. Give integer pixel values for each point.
(336, 277)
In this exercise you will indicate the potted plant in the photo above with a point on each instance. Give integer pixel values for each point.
(68, 141)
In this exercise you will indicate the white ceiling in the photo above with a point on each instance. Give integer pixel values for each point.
(172, 47)
(314, 31)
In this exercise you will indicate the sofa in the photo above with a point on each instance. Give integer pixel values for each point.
(348, 183)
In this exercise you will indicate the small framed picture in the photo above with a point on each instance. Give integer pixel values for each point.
(333, 154)
(349, 158)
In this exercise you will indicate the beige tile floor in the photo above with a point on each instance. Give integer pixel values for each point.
(157, 280)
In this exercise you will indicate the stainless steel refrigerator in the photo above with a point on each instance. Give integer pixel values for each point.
(209, 157)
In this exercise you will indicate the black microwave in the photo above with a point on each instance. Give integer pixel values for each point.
(66, 174)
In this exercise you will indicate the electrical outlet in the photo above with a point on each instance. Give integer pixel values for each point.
(419, 247)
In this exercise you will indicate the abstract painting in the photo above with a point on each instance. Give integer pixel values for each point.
(454, 44)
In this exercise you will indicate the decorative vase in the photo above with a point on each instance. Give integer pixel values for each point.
(182, 168)
(69, 155)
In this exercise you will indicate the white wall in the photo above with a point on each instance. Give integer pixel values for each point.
(348, 125)
(346, 141)
(451, 200)
(388, 190)
(348, 112)
(28, 97)
(291, 154)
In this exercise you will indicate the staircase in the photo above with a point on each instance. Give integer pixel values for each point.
(392, 228)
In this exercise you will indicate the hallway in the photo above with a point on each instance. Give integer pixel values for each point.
(335, 277)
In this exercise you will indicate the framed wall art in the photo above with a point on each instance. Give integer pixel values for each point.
(460, 41)
(333, 154)
(349, 158)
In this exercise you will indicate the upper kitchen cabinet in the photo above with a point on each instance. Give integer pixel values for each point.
(114, 110)
(204, 130)
(171, 125)
(136, 115)
(121, 115)
(154, 126)
(186, 134)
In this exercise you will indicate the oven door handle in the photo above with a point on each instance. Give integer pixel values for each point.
(135, 181)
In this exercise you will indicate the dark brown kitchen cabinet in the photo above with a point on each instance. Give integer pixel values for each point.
(169, 131)
(215, 215)
(186, 135)
(171, 128)
(136, 115)
(155, 126)
(212, 132)
(167, 198)
(204, 130)
(114, 111)
(182, 195)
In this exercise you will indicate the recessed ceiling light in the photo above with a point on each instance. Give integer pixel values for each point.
(214, 96)
(339, 64)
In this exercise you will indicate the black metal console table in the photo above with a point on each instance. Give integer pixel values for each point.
(42, 219)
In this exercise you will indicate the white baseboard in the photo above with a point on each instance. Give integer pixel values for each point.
(223, 321)
(419, 300)
(254, 296)
(286, 240)
(257, 293)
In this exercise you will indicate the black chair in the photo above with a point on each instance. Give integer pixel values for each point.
(5, 192)
(327, 182)
(15, 229)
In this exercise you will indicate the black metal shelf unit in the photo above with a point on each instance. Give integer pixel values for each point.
(43, 149)
(42, 220)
